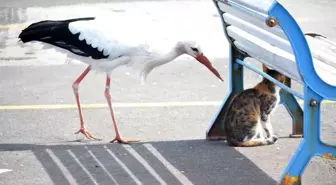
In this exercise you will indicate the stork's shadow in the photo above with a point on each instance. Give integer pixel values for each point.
(191, 162)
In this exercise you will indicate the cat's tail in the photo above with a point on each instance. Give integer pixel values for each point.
(253, 142)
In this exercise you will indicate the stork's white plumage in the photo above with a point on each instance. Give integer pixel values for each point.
(90, 41)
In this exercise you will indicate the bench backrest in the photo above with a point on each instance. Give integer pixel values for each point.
(264, 30)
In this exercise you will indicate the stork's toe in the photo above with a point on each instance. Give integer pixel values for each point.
(123, 140)
(87, 134)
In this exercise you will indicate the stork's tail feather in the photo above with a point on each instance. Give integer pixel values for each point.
(41, 29)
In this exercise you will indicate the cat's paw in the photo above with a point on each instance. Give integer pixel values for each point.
(271, 140)
(274, 138)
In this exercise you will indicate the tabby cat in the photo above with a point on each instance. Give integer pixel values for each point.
(249, 113)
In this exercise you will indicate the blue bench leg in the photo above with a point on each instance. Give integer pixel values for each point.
(216, 129)
(294, 110)
(311, 144)
(293, 172)
(326, 151)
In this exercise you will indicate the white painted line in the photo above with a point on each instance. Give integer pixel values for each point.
(4, 170)
(136, 180)
(182, 178)
(125, 105)
(104, 105)
(102, 166)
(63, 169)
(138, 157)
(84, 169)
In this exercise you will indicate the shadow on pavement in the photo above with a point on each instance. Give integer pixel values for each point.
(194, 162)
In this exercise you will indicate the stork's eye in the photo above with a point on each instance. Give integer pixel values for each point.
(194, 49)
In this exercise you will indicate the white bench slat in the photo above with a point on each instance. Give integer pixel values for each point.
(260, 33)
(254, 51)
(277, 58)
(323, 50)
(261, 6)
(266, 53)
(332, 44)
(277, 30)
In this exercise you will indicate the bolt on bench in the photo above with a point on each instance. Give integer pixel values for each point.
(265, 31)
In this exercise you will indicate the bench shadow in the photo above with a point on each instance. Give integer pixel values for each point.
(186, 162)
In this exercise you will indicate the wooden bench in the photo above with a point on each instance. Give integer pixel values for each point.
(265, 31)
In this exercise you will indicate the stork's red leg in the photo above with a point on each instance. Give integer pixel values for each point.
(75, 85)
(108, 98)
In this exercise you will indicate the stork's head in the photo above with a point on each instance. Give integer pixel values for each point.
(193, 49)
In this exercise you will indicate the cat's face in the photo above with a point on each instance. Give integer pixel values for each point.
(280, 77)
(275, 74)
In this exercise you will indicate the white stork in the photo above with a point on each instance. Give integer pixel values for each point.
(104, 50)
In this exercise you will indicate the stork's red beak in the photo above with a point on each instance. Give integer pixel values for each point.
(205, 61)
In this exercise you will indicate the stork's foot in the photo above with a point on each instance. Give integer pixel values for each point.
(87, 134)
(123, 141)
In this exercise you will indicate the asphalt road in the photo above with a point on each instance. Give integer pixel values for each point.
(169, 114)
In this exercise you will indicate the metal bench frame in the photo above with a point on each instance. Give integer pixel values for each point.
(306, 123)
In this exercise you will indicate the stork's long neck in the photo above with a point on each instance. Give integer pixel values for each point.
(161, 60)
(170, 56)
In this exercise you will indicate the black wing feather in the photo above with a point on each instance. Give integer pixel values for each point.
(58, 34)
